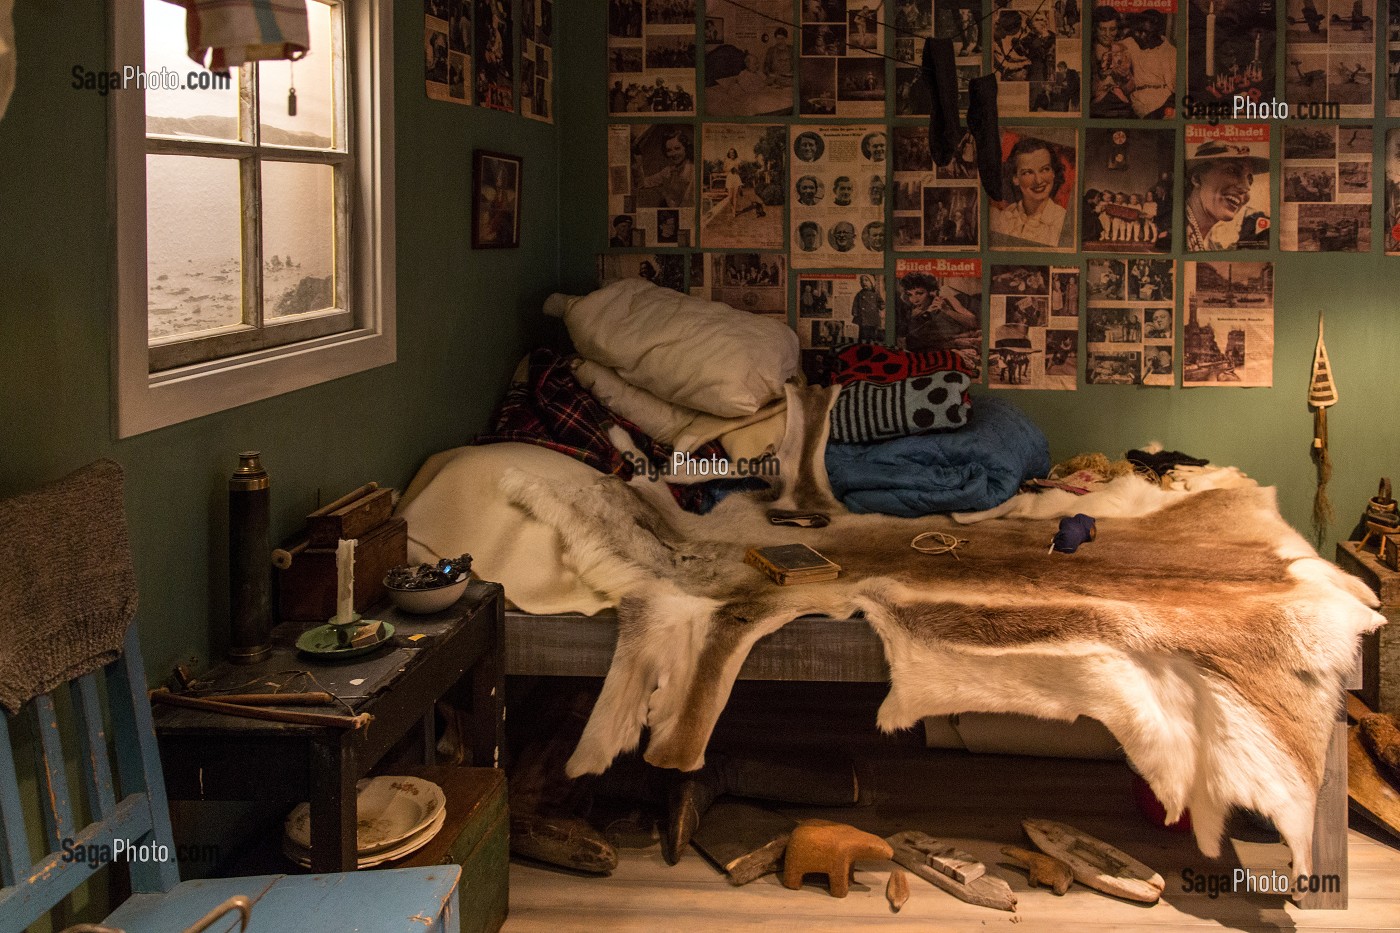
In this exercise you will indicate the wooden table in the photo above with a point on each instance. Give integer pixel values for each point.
(214, 756)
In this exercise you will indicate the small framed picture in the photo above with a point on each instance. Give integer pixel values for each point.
(495, 200)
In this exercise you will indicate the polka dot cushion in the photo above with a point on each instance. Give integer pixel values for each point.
(872, 411)
(873, 362)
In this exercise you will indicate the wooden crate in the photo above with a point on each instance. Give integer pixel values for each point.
(306, 589)
(476, 836)
(1380, 650)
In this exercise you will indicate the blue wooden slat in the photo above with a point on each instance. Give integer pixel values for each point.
(53, 777)
(14, 854)
(95, 766)
(138, 761)
(53, 878)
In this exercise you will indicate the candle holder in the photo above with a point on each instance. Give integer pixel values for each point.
(340, 640)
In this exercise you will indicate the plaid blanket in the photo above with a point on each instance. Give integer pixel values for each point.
(551, 409)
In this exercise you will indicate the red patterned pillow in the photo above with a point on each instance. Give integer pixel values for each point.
(873, 362)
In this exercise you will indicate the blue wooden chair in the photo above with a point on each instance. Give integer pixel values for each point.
(132, 808)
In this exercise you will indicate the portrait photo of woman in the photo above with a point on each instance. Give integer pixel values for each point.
(1038, 179)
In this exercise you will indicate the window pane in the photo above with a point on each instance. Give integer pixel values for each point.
(317, 91)
(298, 238)
(183, 111)
(193, 244)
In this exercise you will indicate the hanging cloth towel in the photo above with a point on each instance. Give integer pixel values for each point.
(232, 32)
(7, 53)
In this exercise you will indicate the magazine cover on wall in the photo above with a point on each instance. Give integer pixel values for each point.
(537, 60)
(1227, 187)
(835, 309)
(651, 57)
(1331, 57)
(1230, 50)
(1039, 166)
(841, 72)
(1228, 339)
(1392, 191)
(914, 21)
(748, 58)
(495, 55)
(1129, 333)
(447, 50)
(1132, 56)
(1037, 54)
(664, 269)
(651, 184)
(754, 282)
(1127, 203)
(1326, 204)
(936, 208)
(939, 307)
(744, 185)
(1034, 322)
(838, 208)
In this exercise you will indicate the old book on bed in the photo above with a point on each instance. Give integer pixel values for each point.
(790, 564)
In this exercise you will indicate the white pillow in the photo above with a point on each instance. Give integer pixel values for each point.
(701, 354)
(674, 425)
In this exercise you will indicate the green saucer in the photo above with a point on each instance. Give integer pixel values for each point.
(324, 642)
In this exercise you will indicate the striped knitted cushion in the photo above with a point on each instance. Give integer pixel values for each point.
(871, 411)
(873, 362)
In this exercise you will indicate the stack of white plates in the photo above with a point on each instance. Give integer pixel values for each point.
(396, 816)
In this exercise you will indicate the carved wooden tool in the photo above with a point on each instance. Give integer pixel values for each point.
(897, 889)
(162, 695)
(1045, 870)
(743, 841)
(1096, 863)
(826, 848)
(912, 850)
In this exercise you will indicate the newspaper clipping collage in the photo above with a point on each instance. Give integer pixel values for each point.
(838, 188)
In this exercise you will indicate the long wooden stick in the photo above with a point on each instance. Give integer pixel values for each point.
(162, 695)
(314, 698)
(346, 499)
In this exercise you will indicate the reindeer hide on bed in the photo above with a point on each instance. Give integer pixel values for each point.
(1208, 636)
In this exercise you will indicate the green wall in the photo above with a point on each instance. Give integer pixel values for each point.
(1266, 432)
(464, 319)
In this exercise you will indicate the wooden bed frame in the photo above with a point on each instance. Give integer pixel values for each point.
(818, 648)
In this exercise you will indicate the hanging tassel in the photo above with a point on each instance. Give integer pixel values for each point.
(1322, 513)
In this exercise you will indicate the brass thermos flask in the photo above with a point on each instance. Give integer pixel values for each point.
(250, 574)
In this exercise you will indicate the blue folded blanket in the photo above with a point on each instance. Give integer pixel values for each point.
(973, 468)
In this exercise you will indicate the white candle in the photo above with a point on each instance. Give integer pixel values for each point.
(345, 581)
(1210, 41)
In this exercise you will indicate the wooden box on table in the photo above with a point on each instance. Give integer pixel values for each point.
(1380, 650)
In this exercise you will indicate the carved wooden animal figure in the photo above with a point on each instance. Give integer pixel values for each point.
(826, 848)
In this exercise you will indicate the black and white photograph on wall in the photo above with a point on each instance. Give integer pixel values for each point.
(1331, 56)
(1037, 53)
(841, 71)
(1227, 186)
(495, 55)
(750, 55)
(1230, 50)
(755, 282)
(496, 188)
(838, 183)
(1326, 206)
(447, 50)
(1128, 185)
(537, 60)
(1228, 334)
(1039, 175)
(1129, 336)
(1391, 59)
(665, 269)
(651, 184)
(1392, 191)
(915, 20)
(936, 208)
(1132, 56)
(651, 57)
(938, 306)
(836, 309)
(1034, 342)
(744, 190)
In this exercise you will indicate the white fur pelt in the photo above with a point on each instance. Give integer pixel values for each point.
(1128, 496)
(1208, 637)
